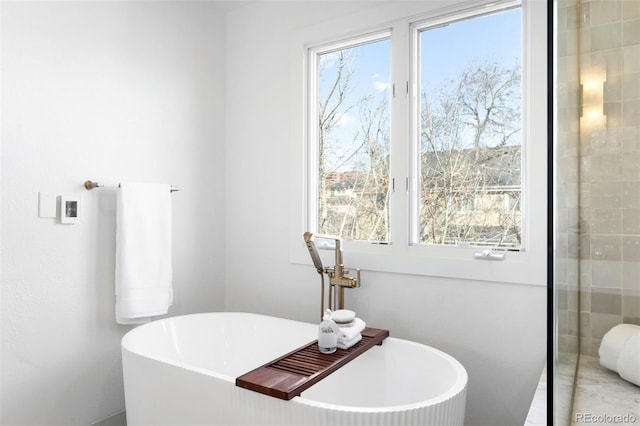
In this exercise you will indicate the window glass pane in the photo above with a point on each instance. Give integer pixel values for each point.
(470, 132)
(353, 141)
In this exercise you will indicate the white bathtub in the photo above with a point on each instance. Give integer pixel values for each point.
(182, 370)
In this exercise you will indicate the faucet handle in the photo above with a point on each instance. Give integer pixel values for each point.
(353, 281)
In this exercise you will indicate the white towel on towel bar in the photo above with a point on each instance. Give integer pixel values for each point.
(143, 284)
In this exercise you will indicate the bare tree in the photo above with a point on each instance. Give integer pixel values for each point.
(354, 204)
(470, 159)
(470, 163)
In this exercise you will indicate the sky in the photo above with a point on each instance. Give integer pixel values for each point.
(445, 52)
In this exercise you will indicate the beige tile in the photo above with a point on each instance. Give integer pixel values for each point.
(605, 168)
(585, 172)
(612, 90)
(573, 246)
(606, 247)
(631, 113)
(631, 248)
(631, 59)
(585, 300)
(607, 36)
(631, 221)
(606, 221)
(561, 246)
(613, 111)
(605, 12)
(606, 301)
(606, 274)
(630, 170)
(572, 299)
(613, 60)
(606, 195)
(573, 272)
(630, 9)
(630, 306)
(601, 323)
(631, 86)
(631, 32)
(631, 276)
(572, 327)
(573, 221)
(631, 154)
(631, 140)
(586, 274)
(631, 195)
(606, 141)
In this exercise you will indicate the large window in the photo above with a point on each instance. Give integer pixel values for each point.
(467, 136)
(469, 120)
(425, 139)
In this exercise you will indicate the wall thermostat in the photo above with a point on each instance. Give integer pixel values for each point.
(69, 209)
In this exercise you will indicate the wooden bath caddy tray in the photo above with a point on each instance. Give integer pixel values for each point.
(296, 371)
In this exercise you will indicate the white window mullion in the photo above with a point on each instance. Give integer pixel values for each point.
(399, 164)
(413, 150)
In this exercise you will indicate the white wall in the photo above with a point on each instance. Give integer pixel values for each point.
(497, 331)
(108, 91)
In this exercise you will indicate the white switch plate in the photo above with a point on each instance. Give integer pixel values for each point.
(47, 205)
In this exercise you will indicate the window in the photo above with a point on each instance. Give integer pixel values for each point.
(469, 120)
(421, 138)
(353, 130)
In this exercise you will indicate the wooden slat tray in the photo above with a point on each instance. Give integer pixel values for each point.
(296, 371)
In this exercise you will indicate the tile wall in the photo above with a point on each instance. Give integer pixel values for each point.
(609, 173)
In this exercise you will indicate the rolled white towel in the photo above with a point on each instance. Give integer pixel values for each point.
(628, 365)
(348, 333)
(346, 344)
(612, 344)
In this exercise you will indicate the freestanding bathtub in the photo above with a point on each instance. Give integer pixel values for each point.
(182, 370)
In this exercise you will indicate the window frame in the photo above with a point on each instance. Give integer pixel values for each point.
(313, 53)
(401, 255)
(416, 27)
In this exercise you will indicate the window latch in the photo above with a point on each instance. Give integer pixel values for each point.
(489, 255)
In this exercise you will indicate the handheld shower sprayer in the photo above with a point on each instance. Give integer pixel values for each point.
(317, 262)
(313, 251)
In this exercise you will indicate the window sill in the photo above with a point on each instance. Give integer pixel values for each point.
(448, 262)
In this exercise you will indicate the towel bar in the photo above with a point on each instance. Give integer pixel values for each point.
(89, 185)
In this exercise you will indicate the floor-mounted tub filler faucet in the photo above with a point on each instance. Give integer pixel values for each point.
(339, 278)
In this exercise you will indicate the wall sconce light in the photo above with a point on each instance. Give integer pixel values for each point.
(592, 113)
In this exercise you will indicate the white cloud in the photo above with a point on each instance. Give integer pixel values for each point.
(345, 120)
(380, 85)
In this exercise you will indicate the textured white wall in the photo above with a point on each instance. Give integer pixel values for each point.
(497, 331)
(107, 91)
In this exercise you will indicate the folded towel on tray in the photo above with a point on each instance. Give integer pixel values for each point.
(348, 333)
(346, 344)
